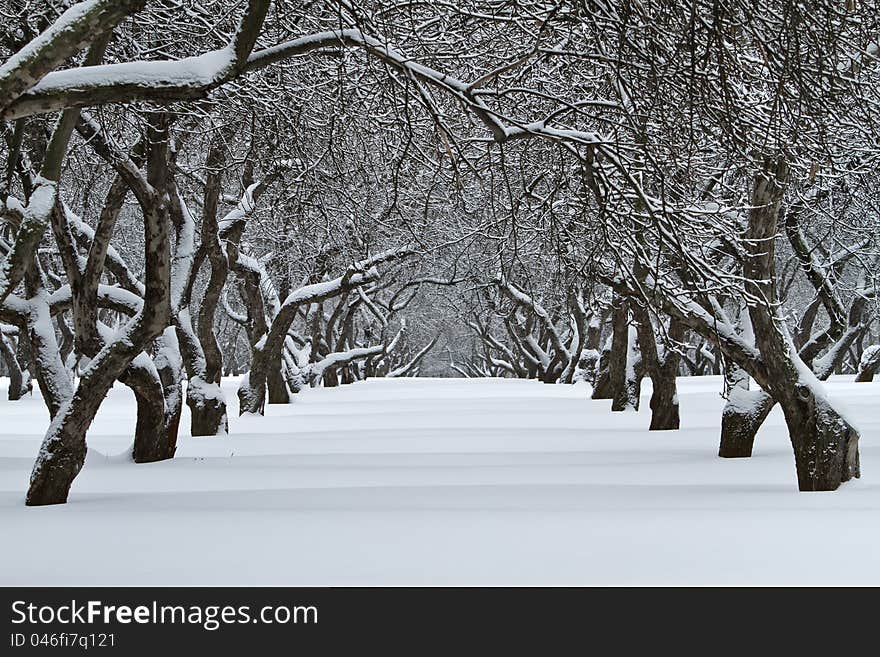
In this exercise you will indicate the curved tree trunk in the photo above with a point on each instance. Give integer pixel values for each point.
(150, 442)
(63, 451)
(825, 445)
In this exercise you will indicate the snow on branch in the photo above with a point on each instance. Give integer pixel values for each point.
(78, 26)
(167, 80)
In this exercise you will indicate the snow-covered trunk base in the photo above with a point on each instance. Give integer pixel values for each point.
(664, 404)
(209, 418)
(826, 446)
(743, 414)
(207, 408)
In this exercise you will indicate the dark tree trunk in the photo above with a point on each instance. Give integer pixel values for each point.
(618, 357)
(602, 379)
(663, 369)
(625, 369)
(63, 451)
(664, 405)
(207, 413)
(61, 458)
(825, 446)
(331, 378)
(150, 440)
(743, 414)
(278, 393)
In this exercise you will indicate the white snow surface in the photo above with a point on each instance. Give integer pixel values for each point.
(442, 481)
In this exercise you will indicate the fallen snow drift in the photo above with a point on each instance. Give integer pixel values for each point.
(433, 481)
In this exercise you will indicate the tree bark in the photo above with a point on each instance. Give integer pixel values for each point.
(825, 446)
(602, 379)
(743, 414)
(624, 368)
(63, 451)
(662, 367)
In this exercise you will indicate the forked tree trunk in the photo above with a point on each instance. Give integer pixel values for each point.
(63, 451)
(662, 366)
(825, 445)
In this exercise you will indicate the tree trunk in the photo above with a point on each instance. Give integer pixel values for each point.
(158, 394)
(618, 357)
(826, 446)
(150, 442)
(63, 451)
(664, 405)
(743, 414)
(278, 393)
(602, 379)
(662, 366)
(869, 363)
(207, 411)
(626, 376)
(204, 397)
(331, 378)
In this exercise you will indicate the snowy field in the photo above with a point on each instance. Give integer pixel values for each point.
(431, 481)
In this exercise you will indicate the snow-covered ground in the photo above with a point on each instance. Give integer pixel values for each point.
(431, 481)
